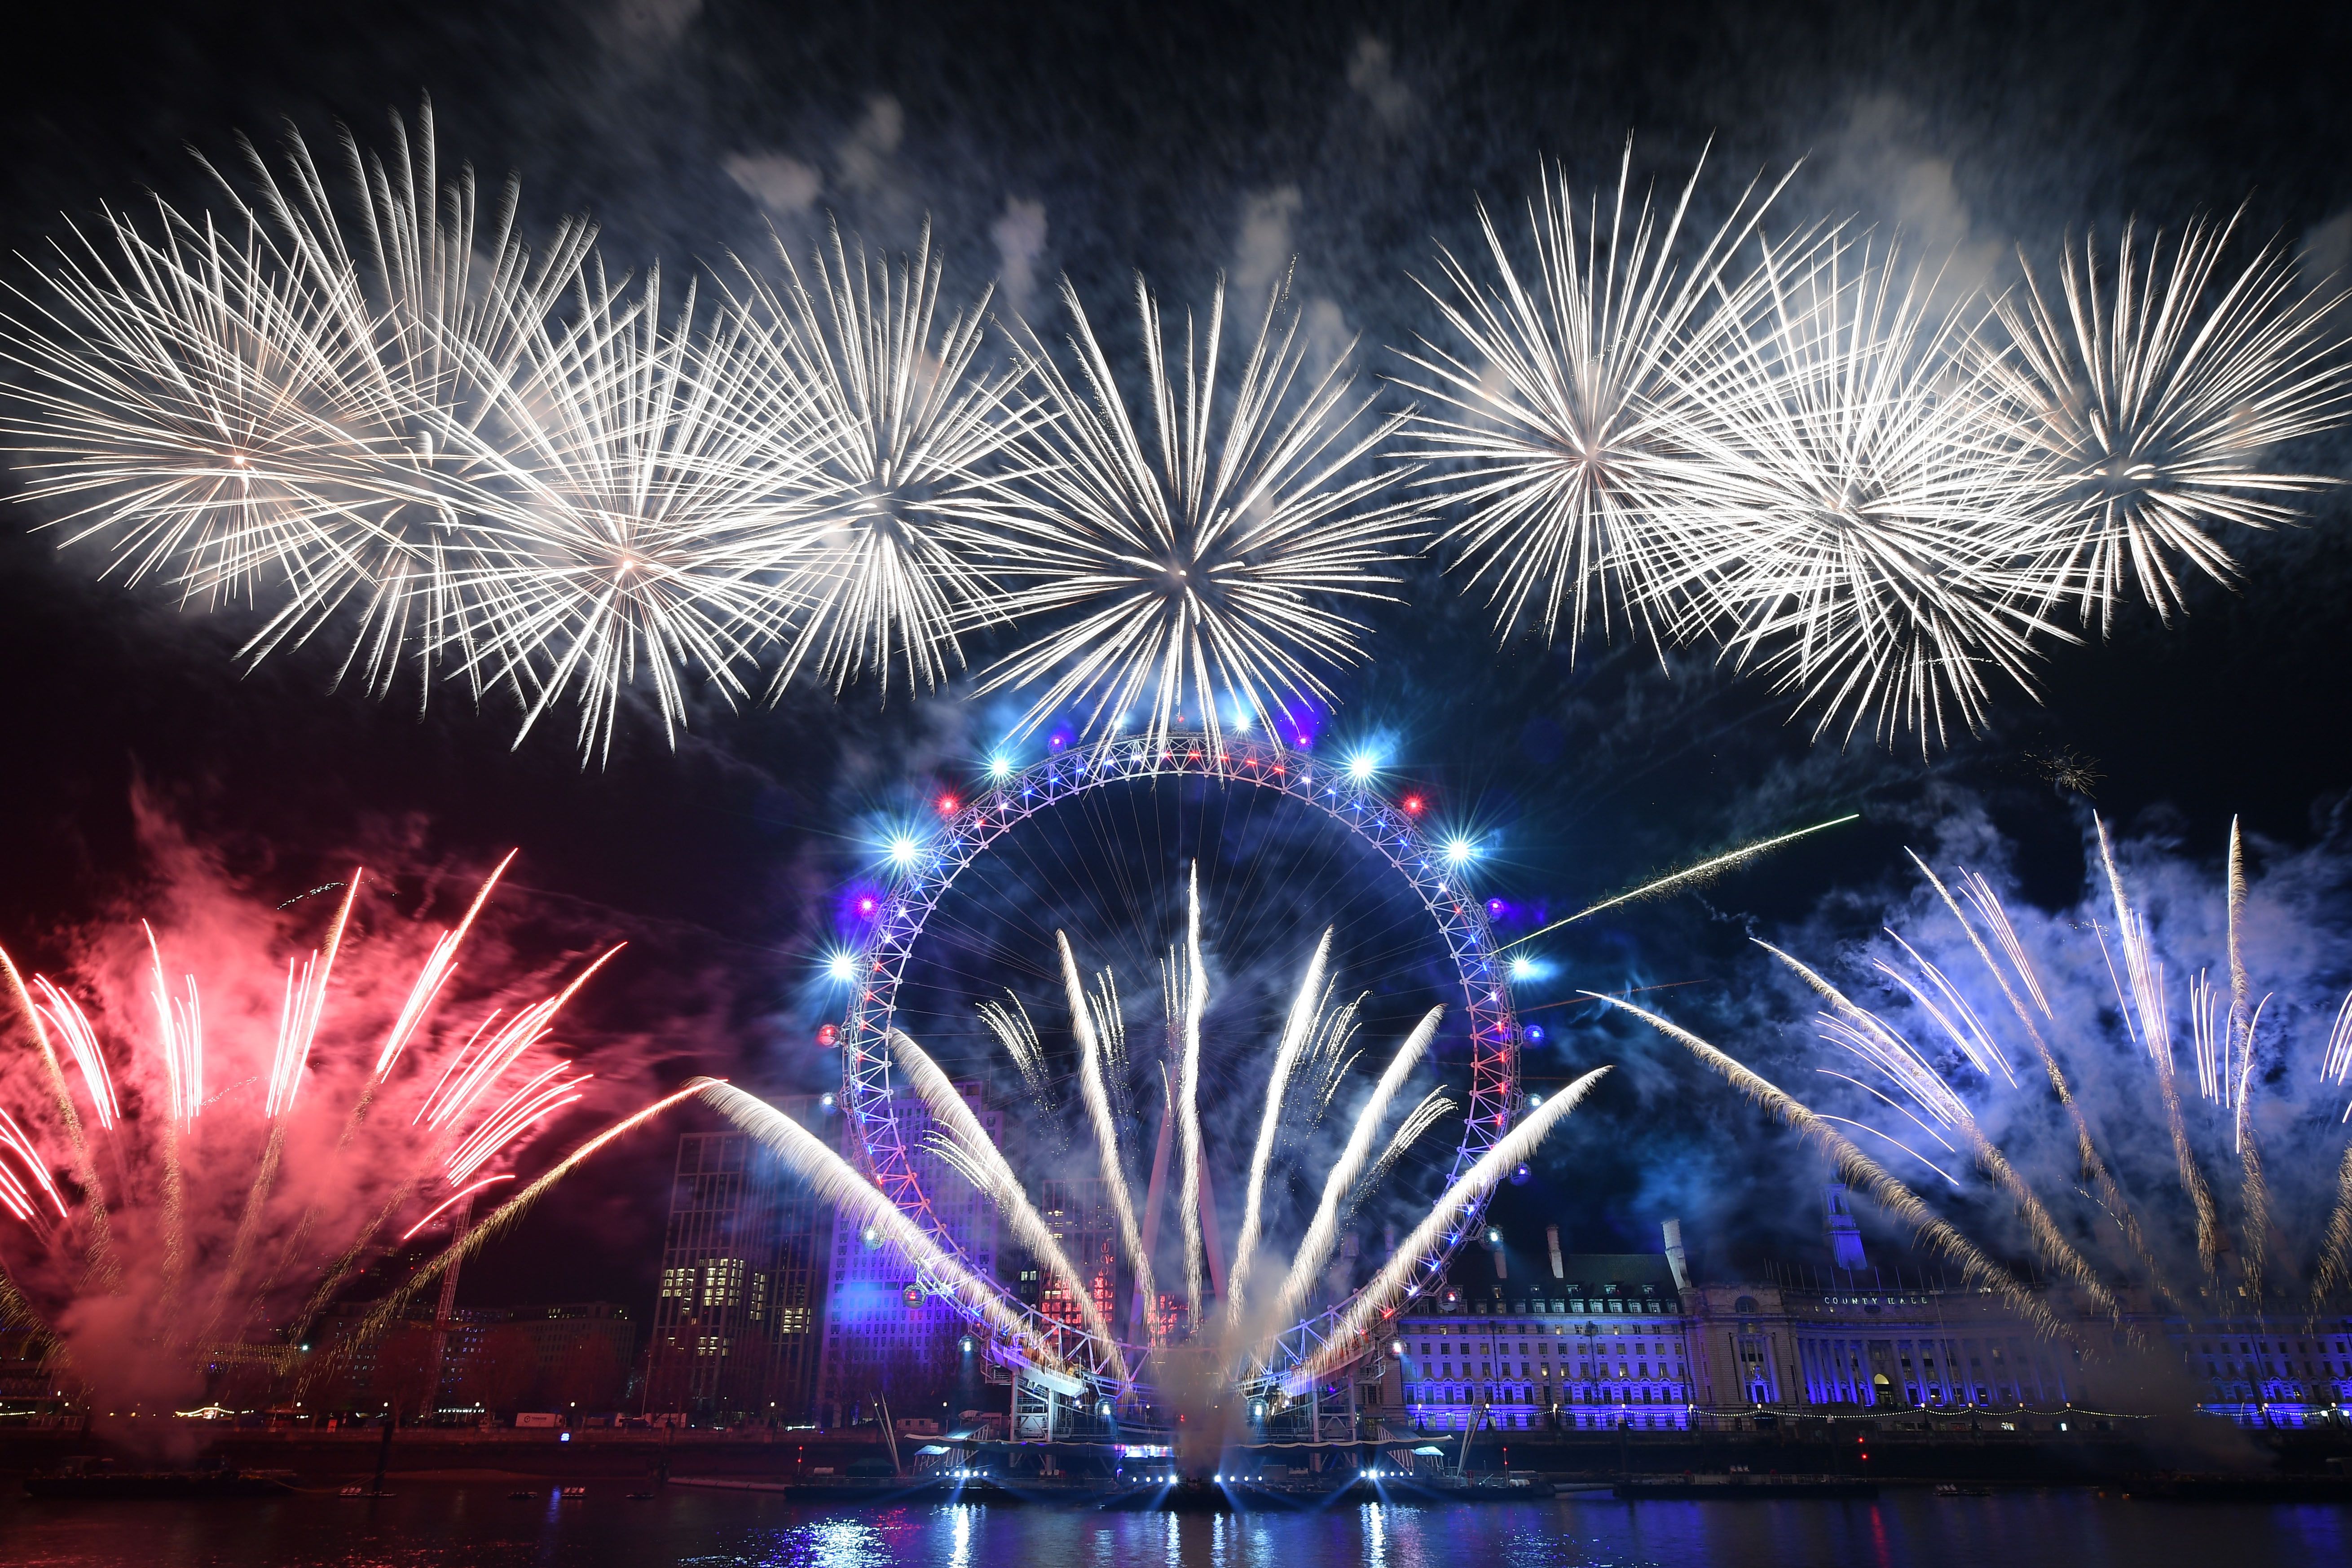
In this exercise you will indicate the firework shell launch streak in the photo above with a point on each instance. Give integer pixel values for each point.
(836, 1182)
(1347, 1339)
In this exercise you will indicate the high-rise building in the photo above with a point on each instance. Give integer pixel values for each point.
(886, 1337)
(1080, 1217)
(733, 1322)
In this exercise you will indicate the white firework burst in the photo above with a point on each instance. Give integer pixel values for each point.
(1194, 575)
(1876, 506)
(627, 522)
(2155, 392)
(276, 418)
(1560, 409)
(898, 444)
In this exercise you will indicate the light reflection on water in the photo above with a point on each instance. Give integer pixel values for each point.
(430, 1526)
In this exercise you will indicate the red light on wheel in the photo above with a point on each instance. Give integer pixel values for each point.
(828, 1036)
(947, 806)
(1412, 805)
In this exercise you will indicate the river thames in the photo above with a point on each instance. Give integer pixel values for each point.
(428, 1525)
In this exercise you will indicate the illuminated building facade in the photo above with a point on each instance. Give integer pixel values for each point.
(2271, 1372)
(886, 1337)
(1584, 1342)
(733, 1325)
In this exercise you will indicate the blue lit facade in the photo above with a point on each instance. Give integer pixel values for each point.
(1591, 1342)
(885, 1335)
(2269, 1372)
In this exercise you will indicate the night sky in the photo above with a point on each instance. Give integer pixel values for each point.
(1184, 141)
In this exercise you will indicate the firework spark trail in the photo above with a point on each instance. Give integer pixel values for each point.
(1097, 1095)
(1009, 1022)
(2243, 1025)
(297, 1030)
(14, 1195)
(1196, 1003)
(1689, 875)
(2048, 1239)
(967, 1146)
(1194, 581)
(1859, 1168)
(446, 1204)
(102, 1268)
(2210, 1035)
(537, 1099)
(438, 966)
(1330, 1061)
(1376, 1298)
(82, 1043)
(1988, 905)
(181, 1031)
(1305, 1009)
(463, 1155)
(1980, 893)
(467, 1080)
(2192, 1179)
(431, 978)
(393, 1306)
(837, 1183)
(1975, 1042)
(1576, 492)
(2153, 399)
(1323, 1232)
(890, 443)
(2336, 1251)
(1434, 1107)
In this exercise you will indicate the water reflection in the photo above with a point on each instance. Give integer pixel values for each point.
(470, 1527)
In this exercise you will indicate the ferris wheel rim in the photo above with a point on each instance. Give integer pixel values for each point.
(878, 965)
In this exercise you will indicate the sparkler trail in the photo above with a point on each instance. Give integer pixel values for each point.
(2193, 1180)
(393, 1306)
(1323, 1231)
(965, 1143)
(2243, 1025)
(1565, 406)
(1195, 1000)
(1347, 1336)
(1305, 1009)
(837, 1183)
(102, 1268)
(1858, 1169)
(1190, 579)
(1098, 1101)
(203, 1166)
(1688, 876)
(2153, 397)
(1885, 1048)
(2111, 1197)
